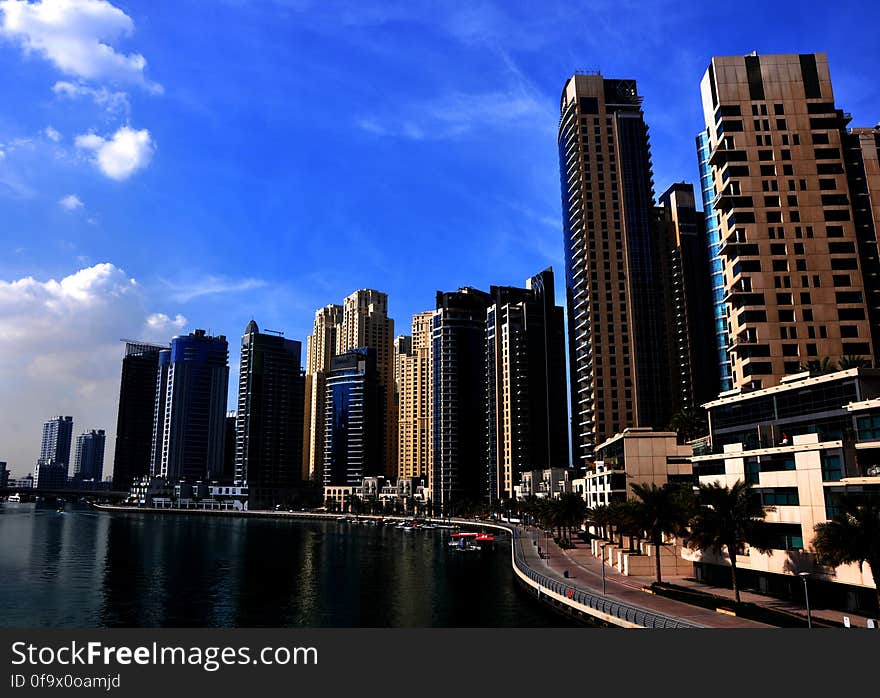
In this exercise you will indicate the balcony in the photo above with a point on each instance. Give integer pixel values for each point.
(722, 154)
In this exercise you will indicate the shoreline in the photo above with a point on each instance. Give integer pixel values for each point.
(587, 608)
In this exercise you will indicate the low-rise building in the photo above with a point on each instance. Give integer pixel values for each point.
(802, 445)
(636, 456)
(549, 483)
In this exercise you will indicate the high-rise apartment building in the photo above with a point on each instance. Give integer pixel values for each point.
(354, 434)
(365, 323)
(862, 156)
(525, 401)
(88, 460)
(322, 345)
(792, 274)
(686, 267)
(618, 360)
(269, 427)
(459, 377)
(137, 405)
(361, 321)
(189, 428)
(54, 461)
(415, 403)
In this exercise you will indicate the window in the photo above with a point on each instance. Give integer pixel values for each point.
(841, 247)
(844, 264)
(851, 314)
(849, 331)
(778, 496)
(848, 296)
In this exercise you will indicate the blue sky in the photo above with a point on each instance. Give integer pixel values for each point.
(172, 165)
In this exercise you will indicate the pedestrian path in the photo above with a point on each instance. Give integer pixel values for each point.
(585, 573)
(582, 558)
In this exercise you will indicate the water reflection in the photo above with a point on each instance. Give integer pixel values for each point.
(85, 568)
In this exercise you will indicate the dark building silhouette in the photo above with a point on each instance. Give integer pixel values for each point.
(354, 426)
(459, 378)
(269, 424)
(190, 423)
(53, 464)
(134, 422)
(684, 252)
(88, 461)
(525, 402)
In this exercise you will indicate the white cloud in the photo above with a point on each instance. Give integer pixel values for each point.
(71, 202)
(60, 353)
(52, 134)
(111, 101)
(120, 156)
(160, 322)
(74, 35)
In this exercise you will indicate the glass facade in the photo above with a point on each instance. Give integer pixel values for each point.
(713, 235)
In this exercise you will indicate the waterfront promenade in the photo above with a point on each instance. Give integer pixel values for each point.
(624, 604)
(585, 574)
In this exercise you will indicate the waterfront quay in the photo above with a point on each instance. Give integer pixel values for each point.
(578, 595)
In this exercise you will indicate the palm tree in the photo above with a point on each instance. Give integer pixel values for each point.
(852, 535)
(600, 517)
(662, 511)
(572, 511)
(819, 367)
(852, 361)
(728, 517)
(689, 424)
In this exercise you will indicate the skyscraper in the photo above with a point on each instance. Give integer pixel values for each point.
(619, 372)
(88, 460)
(525, 401)
(54, 461)
(685, 258)
(459, 377)
(793, 278)
(192, 382)
(862, 156)
(137, 405)
(362, 321)
(322, 346)
(354, 422)
(269, 426)
(415, 390)
(365, 323)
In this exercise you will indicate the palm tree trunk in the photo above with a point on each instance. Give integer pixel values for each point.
(731, 550)
(657, 556)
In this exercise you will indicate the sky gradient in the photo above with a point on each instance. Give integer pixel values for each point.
(172, 165)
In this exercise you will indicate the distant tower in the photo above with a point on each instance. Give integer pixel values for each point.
(54, 461)
(193, 379)
(269, 426)
(353, 425)
(88, 461)
(414, 369)
(322, 346)
(459, 376)
(137, 404)
(526, 408)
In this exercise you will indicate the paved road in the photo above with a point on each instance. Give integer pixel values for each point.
(586, 573)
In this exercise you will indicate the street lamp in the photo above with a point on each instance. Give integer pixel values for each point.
(603, 568)
(803, 576)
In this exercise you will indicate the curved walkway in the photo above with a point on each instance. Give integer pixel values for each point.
(585, 576)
